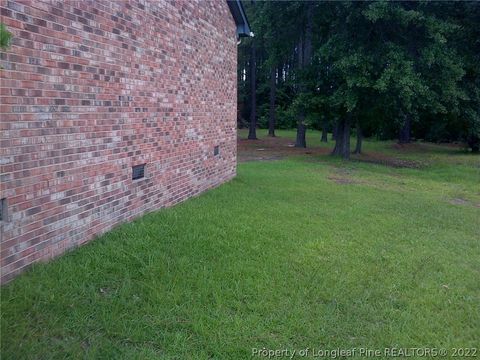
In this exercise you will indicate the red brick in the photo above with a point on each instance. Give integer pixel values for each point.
(89, 94)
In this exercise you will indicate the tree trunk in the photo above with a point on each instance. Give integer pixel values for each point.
(338, 131)
(358, 147)
(273, 93)
(335, 131)
(342, 142)
(473, 143)
(346, 138)
(325, 131)
(301, 140)
(307, 54)
(252, 130)
(305, 57)
(404, 137)
(301, 131)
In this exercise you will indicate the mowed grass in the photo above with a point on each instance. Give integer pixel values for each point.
(300, 252)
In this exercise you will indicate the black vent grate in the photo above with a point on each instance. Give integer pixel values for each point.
(3, 209)
(138, 171)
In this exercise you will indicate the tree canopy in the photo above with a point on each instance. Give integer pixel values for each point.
(387, 69)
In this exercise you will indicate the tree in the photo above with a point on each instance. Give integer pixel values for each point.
(389, 69)
(466, 118)
(273, 89)
(420, 69)
(350, 62)
(252, 129)
(304, 50)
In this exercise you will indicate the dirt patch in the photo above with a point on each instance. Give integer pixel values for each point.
(415, 147)
(420, 146)
(276, 148)
(344, 171)
(342, 176)
(342, 180)
(463, 202)
(254, 157)
(382, 159)
(458, 201)
(272, 148)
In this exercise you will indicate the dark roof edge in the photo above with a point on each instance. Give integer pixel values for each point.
(238, 13)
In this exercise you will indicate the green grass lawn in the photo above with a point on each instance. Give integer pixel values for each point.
(300, 252)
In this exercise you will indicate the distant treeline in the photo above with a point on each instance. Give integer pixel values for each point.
(387, 69)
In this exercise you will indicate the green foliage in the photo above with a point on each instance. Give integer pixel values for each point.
(5, 37)
(382, 61)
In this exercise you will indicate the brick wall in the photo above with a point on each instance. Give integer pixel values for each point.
(90, 89)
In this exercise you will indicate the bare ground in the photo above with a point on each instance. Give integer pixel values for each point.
(276, 148)
(272, 148)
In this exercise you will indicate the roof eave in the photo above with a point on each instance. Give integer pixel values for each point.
(238, 13)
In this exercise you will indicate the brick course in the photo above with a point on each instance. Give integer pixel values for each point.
(90, 89)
